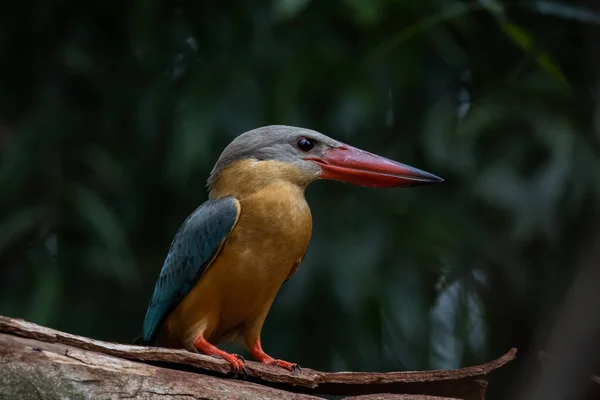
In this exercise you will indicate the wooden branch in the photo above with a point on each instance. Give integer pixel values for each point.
(39, 370)
(150, 366)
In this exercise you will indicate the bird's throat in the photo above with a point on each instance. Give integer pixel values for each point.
(246, 177)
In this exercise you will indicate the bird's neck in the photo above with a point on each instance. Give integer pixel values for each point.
(246, 177)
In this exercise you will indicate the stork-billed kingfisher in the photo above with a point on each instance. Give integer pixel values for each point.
(233, 253)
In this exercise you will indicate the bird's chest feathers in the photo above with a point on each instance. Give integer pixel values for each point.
(273, 230)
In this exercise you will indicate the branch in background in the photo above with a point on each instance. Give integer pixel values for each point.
(32, 350)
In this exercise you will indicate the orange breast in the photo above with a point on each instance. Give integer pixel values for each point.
(271, 235)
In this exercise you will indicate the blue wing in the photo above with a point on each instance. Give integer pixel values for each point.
(194, 247)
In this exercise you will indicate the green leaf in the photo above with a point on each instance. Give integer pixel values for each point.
(523, 39)
(454, 11)
(288, 9)
(105, 166)
(526, 42)
(494, 7)
(105, 224)
(366, 12)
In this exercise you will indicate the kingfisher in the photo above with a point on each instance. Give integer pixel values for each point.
(231, 255)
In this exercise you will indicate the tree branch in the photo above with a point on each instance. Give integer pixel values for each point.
(43, 360)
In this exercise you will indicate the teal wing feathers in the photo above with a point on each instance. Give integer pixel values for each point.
(194, 247)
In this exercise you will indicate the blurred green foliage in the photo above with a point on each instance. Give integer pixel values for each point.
(113, 113)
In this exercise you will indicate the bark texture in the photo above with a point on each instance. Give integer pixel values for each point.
(43, 363)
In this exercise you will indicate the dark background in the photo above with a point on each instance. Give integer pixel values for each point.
(113, 113)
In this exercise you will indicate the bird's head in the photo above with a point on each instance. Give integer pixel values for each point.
(303, 155)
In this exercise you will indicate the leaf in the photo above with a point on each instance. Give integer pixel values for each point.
(366, 12)
(107, 227)
(458, 322)
(566, 11)
(288, 9)
(448, 13)
(527, 43)
(105, 166)
(518, 36)
(493, 6)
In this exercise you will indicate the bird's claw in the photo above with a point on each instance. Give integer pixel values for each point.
(295, 368)
(261, 356)
(237, 365)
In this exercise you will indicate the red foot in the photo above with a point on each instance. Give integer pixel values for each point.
(261, 356)
(237, 362)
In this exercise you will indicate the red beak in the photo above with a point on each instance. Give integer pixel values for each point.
(359, 167)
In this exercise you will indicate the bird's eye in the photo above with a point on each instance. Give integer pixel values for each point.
(305, 144)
